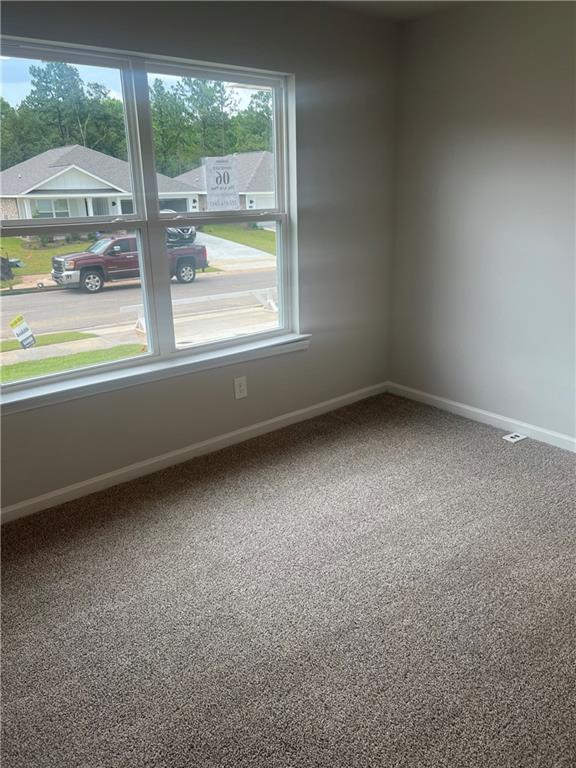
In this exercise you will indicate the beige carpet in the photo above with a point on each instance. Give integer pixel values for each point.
(387, 585)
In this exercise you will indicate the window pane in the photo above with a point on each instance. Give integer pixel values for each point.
(214, 144)
(63, 143)
(224, 281)
(69, 302)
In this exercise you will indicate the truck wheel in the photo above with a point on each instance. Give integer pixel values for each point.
(186, 272)
(92, 281)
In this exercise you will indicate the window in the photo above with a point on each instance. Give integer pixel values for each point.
(172, 180)
(50, 209)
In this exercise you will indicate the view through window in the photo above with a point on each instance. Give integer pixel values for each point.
(78, 296)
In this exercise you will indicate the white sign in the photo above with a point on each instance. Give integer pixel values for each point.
(21, 330)
(221, 184)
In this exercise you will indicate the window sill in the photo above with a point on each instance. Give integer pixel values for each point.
(46, 394)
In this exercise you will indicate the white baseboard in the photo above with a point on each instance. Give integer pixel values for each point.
(140, 468)
(557, 439)
(146, 467)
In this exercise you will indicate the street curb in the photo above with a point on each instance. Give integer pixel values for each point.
(20, 291)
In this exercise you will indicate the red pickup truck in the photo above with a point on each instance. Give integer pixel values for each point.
(117, 258)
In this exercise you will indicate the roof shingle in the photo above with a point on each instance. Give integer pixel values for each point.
(35, 171)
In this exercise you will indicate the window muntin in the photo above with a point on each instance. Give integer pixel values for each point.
(160, 320)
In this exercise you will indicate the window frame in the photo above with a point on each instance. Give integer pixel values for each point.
(149, 224)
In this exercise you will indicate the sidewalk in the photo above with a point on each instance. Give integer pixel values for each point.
(197, 327)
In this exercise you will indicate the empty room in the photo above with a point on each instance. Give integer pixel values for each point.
(288, 368)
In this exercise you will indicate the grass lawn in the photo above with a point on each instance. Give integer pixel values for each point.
(263, 239)
(36, 261)
(34, 368)
(45, 339)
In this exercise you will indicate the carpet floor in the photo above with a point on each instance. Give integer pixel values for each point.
(386, 585)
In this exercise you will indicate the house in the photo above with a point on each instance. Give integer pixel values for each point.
(77, 181)
(254, 180)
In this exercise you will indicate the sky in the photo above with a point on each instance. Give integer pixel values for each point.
(15, 80)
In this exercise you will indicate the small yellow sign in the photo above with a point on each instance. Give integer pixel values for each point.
(17, 321)
(21, 330)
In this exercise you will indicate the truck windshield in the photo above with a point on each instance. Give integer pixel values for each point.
(100, 245)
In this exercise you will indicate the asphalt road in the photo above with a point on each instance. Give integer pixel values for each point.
(74, 310)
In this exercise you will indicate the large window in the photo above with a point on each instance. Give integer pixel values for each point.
(171, 179)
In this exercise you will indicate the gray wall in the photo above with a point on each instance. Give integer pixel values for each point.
(344, 67)
(481, 292)
(483, 280)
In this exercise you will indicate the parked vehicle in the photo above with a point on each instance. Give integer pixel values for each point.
(179, 235)
(117, 258)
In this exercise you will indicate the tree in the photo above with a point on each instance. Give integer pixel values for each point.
(105, 129)
(208, 107)
(171, 139)
(12, 151)
(59, 102)
(253, 125)
(61, 110)
(192, 119)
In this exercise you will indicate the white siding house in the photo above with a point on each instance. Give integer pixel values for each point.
(77, 181)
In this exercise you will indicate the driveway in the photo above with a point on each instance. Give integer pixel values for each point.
(234, 257)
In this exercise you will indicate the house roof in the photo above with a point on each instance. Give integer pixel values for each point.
(32, 173)
(255, 172)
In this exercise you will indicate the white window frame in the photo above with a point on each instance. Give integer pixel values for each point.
(163, 357)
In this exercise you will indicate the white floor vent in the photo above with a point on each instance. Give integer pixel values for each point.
(515, 437)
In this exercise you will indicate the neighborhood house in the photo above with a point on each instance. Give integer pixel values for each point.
(76, 181)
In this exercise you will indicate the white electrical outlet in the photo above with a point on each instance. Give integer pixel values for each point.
(514, 437)
(240, 387)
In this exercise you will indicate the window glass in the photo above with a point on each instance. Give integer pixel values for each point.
(214, 144)
(69, 301)
(224, 281)
(74, 298)
(64, 145)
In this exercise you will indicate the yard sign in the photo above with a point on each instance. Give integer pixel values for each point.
(21, 330)
(221, 184)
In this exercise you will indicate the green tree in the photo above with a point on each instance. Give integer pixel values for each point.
(171, 135)
(59, 102)
(208, 107)
(253, 125)
(12, 150)
(105, 129)
(60, 110)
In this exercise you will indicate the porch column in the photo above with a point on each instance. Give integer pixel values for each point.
(90, 206)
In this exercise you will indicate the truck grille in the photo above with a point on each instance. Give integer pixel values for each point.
(57, 264)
